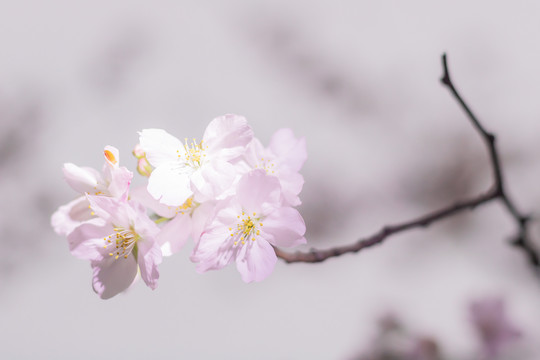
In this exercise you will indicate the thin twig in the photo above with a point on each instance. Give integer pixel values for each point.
(497, 191)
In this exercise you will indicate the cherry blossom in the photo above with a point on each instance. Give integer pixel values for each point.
(234, 198)
(113, 181)
(246, 226)
(283, 158)
(119, 242)
(199, 169)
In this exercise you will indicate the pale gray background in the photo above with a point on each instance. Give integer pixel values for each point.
(386, 142)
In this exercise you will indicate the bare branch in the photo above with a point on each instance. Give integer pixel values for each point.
(497, 191)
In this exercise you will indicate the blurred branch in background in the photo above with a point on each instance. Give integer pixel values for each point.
(497, 191)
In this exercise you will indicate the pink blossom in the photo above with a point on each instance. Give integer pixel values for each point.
(283, 158)
(179, 222)
(119, 242)
(491, 321)
(113, 181)
(199, 169)
(246, 226)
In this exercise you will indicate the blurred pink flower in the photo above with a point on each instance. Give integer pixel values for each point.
(119, 242)
(246, 226)
(491, 321)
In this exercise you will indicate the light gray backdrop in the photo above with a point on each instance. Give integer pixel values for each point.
(386, 142)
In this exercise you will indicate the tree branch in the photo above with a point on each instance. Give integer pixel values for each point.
(497, 191)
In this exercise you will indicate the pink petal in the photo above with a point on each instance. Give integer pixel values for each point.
(71, 215)
(110, 210)
(120, 181)
(212, 180)
(201, 217)
(174, 234)
(227, 136)
(286, 227)
(255, 151)
(142, 224)
(291, 186)
(149, 258)
(256, 260)
(258, 192)
(214, 250)
(291, 151)
(87, 242)
(142, 196)
(111, 276)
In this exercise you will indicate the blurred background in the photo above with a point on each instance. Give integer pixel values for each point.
(386, 143)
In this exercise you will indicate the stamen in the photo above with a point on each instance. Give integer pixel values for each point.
(246, 228)
(124, 242)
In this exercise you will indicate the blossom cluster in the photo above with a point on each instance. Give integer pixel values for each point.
(231, 195)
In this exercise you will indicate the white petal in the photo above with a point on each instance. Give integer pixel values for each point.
(82, 180)
(169, 186)
(160, 146)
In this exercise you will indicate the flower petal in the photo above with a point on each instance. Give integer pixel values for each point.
(120, 181)
(291, 186)
(258, 192)
(149, 257)
(290, 151)
(160, 146)
(212, 180)
(174, 234)
(111, 276)
(142, 224)
(71, 215)
(87, 242)
(227, 136)
(81, 179)
(214, 250)
(141, 195)
(169, 186)
(286, 227)
(200, 218)
(257, 261)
